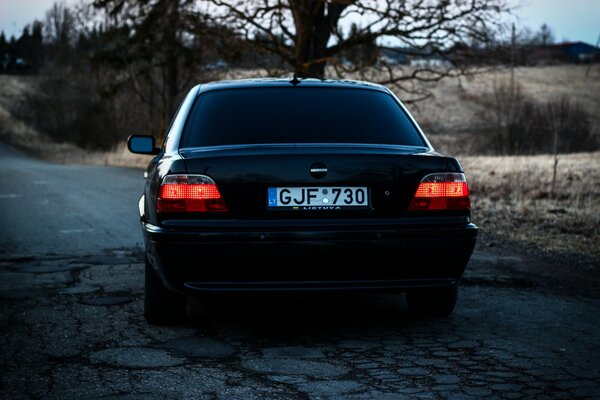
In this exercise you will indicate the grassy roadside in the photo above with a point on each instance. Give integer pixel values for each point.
(512, 199)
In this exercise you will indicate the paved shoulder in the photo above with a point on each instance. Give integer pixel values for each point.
(66, 209)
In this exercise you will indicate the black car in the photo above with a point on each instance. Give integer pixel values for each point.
(300, 185)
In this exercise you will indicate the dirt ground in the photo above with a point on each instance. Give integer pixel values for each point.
(539, 238)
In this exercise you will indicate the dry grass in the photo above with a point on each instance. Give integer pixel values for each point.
(119, 156)
(512, 199)
(452, 110)
(24, 137)
(456, 119)
(13, 130)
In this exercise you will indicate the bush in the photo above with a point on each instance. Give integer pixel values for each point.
(65, 105)
(525, 126)
(77, 106)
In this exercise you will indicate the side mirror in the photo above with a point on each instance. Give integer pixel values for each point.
(142, 144)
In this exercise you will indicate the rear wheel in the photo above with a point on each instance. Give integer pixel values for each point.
(432, 302)
(161, 306)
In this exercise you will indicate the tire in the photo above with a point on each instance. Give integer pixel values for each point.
(161, 306)
(432, 302)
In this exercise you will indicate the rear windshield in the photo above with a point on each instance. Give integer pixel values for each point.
(297, 115)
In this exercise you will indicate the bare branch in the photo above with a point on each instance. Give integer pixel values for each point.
(308, 35)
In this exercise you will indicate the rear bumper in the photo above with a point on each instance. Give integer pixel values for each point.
(300, 255)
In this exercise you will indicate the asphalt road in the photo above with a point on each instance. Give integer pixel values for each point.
(66, 210)
(71, 284)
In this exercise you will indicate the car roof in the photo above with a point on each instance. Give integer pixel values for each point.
(288, 82)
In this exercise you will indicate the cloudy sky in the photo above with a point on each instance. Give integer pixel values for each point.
(572, 19)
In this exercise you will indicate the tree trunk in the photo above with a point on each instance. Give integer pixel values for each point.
(172, 59)
(172, 83)
(315, 21)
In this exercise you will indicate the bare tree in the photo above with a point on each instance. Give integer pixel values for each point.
(155, 45)
(59, 31)
(309, 35)
(545, 36)
(59, 25)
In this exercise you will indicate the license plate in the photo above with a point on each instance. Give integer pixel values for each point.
(318, 198)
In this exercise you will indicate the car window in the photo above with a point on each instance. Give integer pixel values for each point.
(297, 115)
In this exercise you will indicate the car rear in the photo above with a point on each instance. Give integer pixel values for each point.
(269, 186)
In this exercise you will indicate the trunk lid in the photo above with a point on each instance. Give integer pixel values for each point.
(244, 173)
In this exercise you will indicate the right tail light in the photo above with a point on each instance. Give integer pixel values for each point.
(442, 191)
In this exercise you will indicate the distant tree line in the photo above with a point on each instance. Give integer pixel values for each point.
(25, 53)
(111, 68)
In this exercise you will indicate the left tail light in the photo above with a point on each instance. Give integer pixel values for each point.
(442, 191)
(189, 193)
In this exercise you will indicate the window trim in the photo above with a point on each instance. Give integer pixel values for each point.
(401, 107)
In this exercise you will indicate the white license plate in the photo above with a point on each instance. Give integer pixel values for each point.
(318, 198)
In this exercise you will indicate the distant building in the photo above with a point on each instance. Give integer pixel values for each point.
(575, 52)
(416, 58)
(430, 62)
(393, 56)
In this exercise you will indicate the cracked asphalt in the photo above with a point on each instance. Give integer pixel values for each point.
(71, 300)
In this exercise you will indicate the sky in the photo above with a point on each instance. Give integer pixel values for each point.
(15, 14)
(572, 20)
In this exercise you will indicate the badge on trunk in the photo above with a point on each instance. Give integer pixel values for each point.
(318, 170)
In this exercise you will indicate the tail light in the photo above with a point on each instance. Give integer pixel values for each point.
(442, 191)
(189, 193)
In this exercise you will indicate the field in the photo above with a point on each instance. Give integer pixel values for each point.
(512, 197)
(512, 200)
(456, 119)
